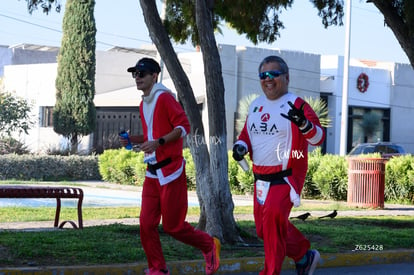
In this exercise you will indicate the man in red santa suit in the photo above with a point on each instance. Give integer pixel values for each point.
(278, 129)
(164, 193)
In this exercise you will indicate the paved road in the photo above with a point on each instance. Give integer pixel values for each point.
(388, 269)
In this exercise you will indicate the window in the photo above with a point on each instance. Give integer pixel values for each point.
(367, 125)
(46, 116)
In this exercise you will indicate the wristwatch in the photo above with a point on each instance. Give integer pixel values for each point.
(161, 141)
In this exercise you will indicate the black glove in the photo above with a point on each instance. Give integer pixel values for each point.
(238, 152)
(297, 116)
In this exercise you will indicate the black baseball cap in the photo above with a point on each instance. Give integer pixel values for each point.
(145, 64)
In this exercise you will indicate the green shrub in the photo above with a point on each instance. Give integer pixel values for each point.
(106, 164)
(399, 179)
(9, 145)
(310, 189)
(190, 169)
(59, 150)
(233, 170)
(331, 177)
(240, 182)
(246, 179)
(140, 168)
(121, 166)
(44, 167)
(327, 175)
(128, 167)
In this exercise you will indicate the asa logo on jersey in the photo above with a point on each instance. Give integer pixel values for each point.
(264, 127)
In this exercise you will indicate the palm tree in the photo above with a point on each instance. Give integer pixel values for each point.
(243, 111)
(321, 109)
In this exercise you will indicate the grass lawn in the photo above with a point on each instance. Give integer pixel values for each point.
(118, 243)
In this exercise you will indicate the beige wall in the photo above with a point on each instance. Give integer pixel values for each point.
(402, 102)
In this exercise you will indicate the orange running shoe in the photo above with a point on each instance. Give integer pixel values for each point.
(213, 257)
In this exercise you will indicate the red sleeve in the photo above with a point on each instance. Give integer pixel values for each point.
(144, 125)
(316, 134)
(175, 112)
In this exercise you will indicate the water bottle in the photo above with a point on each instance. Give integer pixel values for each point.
(243, 163)
(124, 134)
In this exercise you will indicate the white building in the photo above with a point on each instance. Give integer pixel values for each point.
(388, 96)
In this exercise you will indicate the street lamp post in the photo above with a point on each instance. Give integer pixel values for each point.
(344, 115)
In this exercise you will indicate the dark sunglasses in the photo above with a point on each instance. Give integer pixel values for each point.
(270, 74)
(140, 74)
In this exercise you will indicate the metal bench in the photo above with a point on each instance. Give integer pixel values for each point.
(31, 192)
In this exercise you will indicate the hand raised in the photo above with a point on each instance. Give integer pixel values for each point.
(296, 115)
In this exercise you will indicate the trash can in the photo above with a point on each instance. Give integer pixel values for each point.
(366, 182)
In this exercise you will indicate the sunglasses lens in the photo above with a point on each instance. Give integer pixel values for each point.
(270, 74)
(139, 74)
(263, 75)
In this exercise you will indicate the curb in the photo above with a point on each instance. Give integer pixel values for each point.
(227, 266)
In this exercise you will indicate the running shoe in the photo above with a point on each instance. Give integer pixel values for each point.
(213, 257)
(312, 259)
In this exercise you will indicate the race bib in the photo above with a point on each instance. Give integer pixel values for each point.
(262, 189)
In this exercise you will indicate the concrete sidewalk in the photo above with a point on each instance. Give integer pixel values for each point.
(228, 266)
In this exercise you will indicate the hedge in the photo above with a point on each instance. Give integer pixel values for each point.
(48, 167)
(327, 176)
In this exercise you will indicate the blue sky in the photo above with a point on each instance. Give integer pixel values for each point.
(123, 25)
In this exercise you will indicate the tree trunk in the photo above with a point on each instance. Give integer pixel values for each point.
(213, 191)
(74, 144)
(216, 113)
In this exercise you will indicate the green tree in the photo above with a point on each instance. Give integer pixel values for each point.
(14, 118)
(74, 114)
(399, 17)
(258, 20)
(14, 114)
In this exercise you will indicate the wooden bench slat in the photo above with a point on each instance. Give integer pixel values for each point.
(20, 191)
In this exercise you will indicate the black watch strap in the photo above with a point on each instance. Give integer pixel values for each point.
(161, 141)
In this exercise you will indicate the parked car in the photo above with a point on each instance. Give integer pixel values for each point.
(386, 149)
